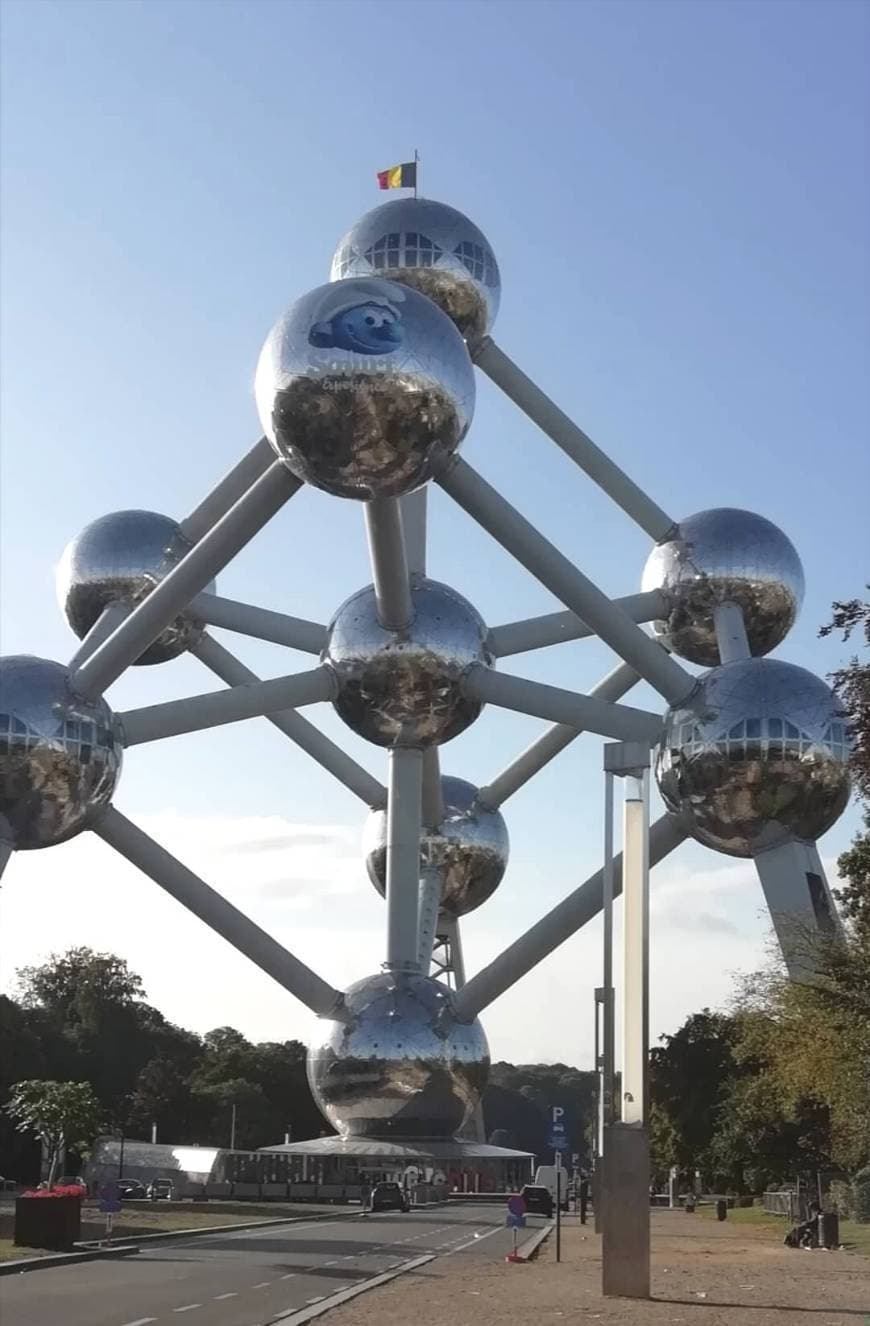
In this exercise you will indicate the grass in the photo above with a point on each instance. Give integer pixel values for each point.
(854, 1237)
(145, 1218)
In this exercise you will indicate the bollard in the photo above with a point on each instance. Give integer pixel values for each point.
(689, 1207)
(721, 1209)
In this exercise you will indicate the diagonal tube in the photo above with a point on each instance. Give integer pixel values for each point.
(309, 738)
(215, 708)
(6, 850)
(501, 370)
(564, 920)
(172, 595)
(576, 591)
(414, 524)
(225, 494)
(108, 621)
(260, 623)
(556, 627)
(619, 721)
(221, 916)
(552, 742)
(389, 560)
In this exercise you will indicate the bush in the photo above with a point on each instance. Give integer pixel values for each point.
(861, 1196)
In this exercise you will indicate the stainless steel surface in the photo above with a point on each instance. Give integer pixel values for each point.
(401, 1065)
(725, 555)
(470, 848)
(431, 247)
(404, 688)
(544, 561)
(59, 754)
(193, 573)
(119, 559)
(218, 914)
(758, 756)
(362, 386)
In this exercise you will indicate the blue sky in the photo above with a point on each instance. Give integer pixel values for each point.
(678, 198)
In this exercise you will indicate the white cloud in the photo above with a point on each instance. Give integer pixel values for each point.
(306, 884)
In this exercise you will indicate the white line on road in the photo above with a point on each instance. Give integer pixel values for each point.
(289, 1276)
(478, 1238)
(188, 1307)
(318, 1299)
(218, 1297)
(140, 1321)
(264, 1284)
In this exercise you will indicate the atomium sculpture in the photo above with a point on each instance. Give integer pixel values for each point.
(365, 389)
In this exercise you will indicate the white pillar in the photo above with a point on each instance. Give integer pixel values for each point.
(635, 944)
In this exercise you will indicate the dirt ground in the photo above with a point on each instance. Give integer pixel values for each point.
(704, 1274)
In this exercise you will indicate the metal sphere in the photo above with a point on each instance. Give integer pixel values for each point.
(402, 1065)
(119, 559)
(363, 387)
(433, 248)
(404, 688)
(470, 848)
(757, 755)
(59, 755)
(720, 556)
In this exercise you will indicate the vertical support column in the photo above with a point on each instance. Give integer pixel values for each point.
(730, 633)
(625, 1171)
(404, 823)
(430, 902)
(800, 903)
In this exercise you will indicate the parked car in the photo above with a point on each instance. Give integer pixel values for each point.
(131, 1190)
(389, 1197)
(538, 1200)
(161, 1190)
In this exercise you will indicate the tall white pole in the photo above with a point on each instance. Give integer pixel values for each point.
(404, 824)
(635, 977)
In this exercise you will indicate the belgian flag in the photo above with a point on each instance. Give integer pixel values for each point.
(399, 177)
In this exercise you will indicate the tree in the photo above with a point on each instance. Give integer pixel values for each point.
(61, 1114)
(689, 1076)
(73, 983)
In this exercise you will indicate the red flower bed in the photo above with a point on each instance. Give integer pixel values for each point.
(65, 1190)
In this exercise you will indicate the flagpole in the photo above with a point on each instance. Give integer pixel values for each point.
(416, 171)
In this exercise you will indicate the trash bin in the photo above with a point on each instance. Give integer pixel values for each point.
(721, 1209)
(689, 1205)
(829, 1229)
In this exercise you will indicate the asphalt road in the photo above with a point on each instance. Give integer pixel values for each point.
(247, 1278)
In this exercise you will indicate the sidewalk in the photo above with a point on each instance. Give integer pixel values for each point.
(704, 1274)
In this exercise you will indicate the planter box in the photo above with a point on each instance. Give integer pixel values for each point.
(48, 1222)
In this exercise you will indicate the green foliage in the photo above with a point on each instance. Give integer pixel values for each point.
(861, 1196)
(518, 1098)
(60, 1114)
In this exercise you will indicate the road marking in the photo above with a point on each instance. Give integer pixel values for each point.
(218, 1297)
(332, 1263)
(478, 1238)
(288, 1277)
(140, 1321)
(264, 1284)
(188, 1307)
(318, 1299)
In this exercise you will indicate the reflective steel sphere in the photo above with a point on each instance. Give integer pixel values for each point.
(363, 386)
(59, 757)
(757, 756)
(402, 1065)
(404, 688)
(719, 556)
(470, 848)
(433, 248)
(119, 559)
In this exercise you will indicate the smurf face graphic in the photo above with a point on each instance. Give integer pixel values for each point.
(368, 326)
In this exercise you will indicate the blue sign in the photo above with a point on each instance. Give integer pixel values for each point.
(110, 1199)
(557, 1141)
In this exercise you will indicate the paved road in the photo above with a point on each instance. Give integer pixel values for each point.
(247, 1278)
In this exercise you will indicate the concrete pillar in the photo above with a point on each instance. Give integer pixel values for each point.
(625, 1213)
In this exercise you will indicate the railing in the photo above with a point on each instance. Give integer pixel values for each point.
(783, 1202)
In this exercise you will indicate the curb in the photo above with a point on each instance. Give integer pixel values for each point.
(297, 1316)
(528, 1249)
(63, 1259)
(137, 1240)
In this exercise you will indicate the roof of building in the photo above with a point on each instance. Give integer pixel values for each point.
(409, 1149)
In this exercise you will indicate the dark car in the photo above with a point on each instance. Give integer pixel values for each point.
(161, 1190)
(389, 1197)
(131, 1190)
(539, 1201)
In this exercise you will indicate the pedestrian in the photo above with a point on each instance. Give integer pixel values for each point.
(584, 1198)
(365, 1194)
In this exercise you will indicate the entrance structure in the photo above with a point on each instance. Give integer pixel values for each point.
(365, 389)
